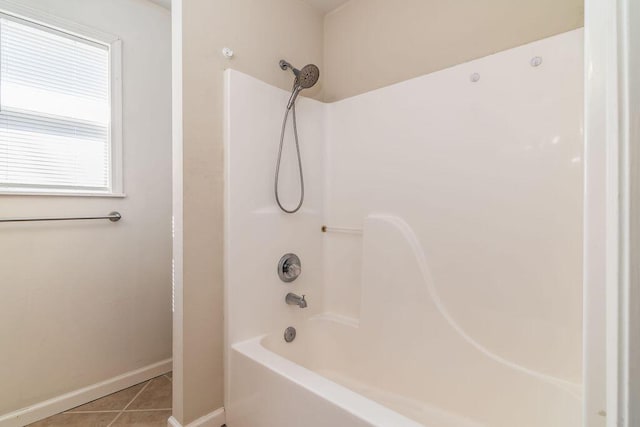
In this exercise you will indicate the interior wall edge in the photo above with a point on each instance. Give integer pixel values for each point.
(177, 202)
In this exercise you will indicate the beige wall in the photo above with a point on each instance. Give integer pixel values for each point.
(82, 302)
(369, 44)
(260, 33)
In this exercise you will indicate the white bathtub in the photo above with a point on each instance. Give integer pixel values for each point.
(329, 376)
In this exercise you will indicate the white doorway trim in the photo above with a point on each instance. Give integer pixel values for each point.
(612, 222)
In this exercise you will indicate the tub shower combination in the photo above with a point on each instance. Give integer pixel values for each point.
(426, 271)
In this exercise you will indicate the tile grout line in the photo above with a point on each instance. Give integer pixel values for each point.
(113, 411)
(138, 393)
(130, 402)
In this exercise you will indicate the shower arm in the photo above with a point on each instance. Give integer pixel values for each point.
(284, 65)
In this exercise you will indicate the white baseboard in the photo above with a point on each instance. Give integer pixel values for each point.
(213, 419)
(62, 403)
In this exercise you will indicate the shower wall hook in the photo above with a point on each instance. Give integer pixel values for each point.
(227, 52)
(475, 77)
(536, 61)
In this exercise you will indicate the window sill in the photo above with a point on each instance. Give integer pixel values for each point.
(61, 193)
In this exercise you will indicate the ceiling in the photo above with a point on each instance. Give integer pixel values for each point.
(326, 5)
(322, 5)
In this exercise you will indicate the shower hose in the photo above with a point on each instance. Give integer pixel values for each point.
(295, 134)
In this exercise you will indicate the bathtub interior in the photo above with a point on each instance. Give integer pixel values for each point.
(413, 357)
(460, 302)
(464, 395)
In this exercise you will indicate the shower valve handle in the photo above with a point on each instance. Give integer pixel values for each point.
(292, 270)
(289, 267)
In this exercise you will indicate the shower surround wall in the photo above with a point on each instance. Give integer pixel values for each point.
(258, 232)
(468, 271)
(489, 176)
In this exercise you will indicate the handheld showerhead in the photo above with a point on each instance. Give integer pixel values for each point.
(305, 78)
(308, 76)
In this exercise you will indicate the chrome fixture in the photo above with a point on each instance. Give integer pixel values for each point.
(113, 217)
(290, 334)
(293, 299)
(289, 267)
(304, 79)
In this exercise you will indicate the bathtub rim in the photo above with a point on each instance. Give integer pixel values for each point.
(342, 397)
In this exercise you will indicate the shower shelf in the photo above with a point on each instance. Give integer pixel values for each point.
(326, 229)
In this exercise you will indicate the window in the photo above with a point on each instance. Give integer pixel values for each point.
(57, 132)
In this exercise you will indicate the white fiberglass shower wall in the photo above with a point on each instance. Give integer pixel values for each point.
(455, 298)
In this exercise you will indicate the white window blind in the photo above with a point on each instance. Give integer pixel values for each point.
(55, 110)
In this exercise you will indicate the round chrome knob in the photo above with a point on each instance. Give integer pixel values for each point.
(289, 267)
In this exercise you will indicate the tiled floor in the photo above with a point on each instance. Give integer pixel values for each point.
(144, 405)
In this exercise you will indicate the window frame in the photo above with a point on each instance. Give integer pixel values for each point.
(114, 45)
